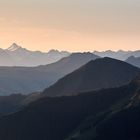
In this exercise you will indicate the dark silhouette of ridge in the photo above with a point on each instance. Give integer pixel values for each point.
(56, 118)
(121, 122)
(101, 73)
(103, 112)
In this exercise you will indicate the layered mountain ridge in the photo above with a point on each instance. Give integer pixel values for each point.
(26, 80)
(120, 54)
(56, 118)
(15, 55)
(98, 74)
(86, 98)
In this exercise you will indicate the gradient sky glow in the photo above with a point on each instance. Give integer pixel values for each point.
(74, 25)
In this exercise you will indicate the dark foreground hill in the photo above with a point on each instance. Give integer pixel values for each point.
(31, 79)
(101, 73)
(56, 118)
(121, 122)
(124, 124)
(15, 102)
(11, 103)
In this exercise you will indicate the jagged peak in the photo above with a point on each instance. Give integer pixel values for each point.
(14, 47)
(53, 51)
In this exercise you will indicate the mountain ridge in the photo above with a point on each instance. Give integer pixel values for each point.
(120, 54)
(16, 55)
(26, 80)
(43, 118)
(100, 73)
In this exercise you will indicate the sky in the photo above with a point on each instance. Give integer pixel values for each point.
(73, 25)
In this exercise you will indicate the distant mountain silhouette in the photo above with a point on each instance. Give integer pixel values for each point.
(15, 55)
(15, 47)
(95, 75)
(134, 61)
(121, 55)
(56, 118)
(29, 79)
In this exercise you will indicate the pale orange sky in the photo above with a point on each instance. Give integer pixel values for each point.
(74, 25)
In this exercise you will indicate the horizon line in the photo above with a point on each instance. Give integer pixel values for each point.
(82, 51)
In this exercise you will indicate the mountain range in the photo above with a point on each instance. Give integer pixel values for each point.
(76, 117)
(26, 80)
(121, 55)
(15, 55)
(97, 74)
(69, 96)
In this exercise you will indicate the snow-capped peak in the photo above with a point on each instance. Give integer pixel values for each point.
(14, 47)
